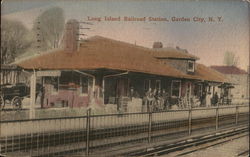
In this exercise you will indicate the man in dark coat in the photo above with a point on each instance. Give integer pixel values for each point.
(216, 98)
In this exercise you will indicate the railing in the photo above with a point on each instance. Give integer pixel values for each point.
(92, 133)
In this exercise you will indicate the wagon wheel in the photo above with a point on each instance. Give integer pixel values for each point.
(16, 102)
(2, 102)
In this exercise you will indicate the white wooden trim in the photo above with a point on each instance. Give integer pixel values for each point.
(49, 73)
(32, 96)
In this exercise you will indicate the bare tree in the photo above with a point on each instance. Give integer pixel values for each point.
(230, 59)
(49, 28)
(14, 40)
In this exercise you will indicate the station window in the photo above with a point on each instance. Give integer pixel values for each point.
(84, 85)
(147, 84)
(176, 88)
(158, 84)
(54, 81)
(69, 80)
(198, 90)
(190, 66)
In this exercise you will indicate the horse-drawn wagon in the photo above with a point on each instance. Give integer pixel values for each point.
(13, 94)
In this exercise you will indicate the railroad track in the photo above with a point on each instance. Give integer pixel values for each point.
(244, 153)
(214, 143)
(13, 109)
(208, 141)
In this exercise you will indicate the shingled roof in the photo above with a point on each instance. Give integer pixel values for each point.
(228, 69)
(172, 53)
(103, 53)
(99, 52)
(208, 74)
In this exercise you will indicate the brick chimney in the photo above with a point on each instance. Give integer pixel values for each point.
(71, 35)
(157, 45)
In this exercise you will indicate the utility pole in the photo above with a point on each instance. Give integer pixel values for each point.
(38, 36)
(80, 34)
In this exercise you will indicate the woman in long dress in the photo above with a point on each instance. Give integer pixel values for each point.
(208, 100)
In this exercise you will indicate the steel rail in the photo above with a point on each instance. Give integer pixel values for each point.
(212, 145)
(162, 150)
(244, 153)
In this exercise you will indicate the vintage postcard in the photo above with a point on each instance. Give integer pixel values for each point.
(124, 78)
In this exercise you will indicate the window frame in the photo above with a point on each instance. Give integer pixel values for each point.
(149, 84)
(158, 81)
(81, 86)
(54, 90)
(179, 95)
(188, 69)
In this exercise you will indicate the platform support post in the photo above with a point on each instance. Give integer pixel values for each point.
(87, 131)
(149, 126)
(217, 118)
(189, 121)
(32, 96)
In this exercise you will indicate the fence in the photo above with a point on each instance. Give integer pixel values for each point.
(90, 134)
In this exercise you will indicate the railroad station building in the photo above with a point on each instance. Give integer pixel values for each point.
(106, 72)
(103, 71)
(239, 79)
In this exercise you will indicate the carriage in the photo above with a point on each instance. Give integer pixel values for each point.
(13, 94)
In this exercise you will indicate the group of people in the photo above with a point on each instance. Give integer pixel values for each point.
(208, 100)
(156, 100)
(159, 99)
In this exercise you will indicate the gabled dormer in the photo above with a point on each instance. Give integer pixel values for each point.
(190, 66)
(175, 57)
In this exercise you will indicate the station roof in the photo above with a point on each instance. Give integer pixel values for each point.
(99, 52)
(205, 73)
(228, 69)
(172, 53)
(103, 53)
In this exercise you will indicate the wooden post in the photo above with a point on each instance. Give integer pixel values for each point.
(103, 89)
(42, 94)
(10, 77)
(32, 95)
(92, 100)
(93, 85)
(213, 90)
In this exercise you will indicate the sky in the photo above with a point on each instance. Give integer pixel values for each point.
(207, 40)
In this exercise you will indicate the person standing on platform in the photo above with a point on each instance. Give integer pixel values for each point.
(215, 99)
(150, 99)
(208, 100)
(166, 103)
